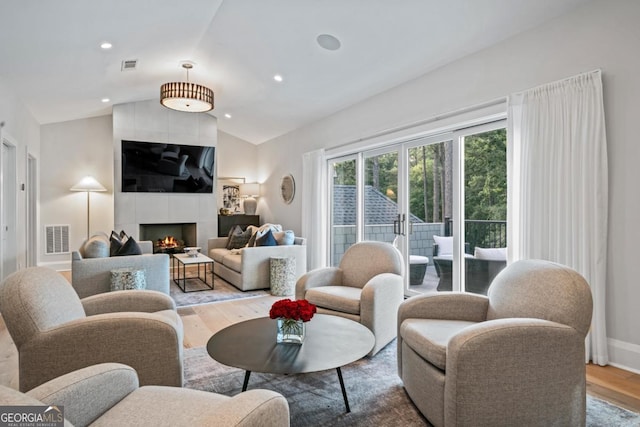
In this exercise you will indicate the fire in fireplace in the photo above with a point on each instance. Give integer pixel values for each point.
(168, 244)
(169, 238)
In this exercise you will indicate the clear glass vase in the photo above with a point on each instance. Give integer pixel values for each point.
(290, 331)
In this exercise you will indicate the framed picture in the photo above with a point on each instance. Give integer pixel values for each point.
(229, 194)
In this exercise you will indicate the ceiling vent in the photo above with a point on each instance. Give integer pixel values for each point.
(129, 64)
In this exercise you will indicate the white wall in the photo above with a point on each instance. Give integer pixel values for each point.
(70, 151)
(602, 34)
(240, 159)
(22, 129)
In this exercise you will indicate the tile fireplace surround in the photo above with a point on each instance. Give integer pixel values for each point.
(150, 121)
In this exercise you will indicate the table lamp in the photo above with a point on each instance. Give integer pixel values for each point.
(250, 191)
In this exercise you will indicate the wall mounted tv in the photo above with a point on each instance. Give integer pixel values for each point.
(151, 167)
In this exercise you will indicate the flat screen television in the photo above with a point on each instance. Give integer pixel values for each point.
(151, 167)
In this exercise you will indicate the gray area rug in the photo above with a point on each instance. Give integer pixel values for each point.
(375, 392)
(222, 291)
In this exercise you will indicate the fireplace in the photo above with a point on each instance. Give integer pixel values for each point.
(170, 238)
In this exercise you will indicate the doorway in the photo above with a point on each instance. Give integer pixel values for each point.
(32, 211)
(449, 187)
(8, 212)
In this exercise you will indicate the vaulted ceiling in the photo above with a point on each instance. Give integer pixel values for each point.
(50, 52)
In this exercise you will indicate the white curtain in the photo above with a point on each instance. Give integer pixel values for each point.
(558, 185)
(314, 207)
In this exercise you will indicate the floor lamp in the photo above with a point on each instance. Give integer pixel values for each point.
(88, 184)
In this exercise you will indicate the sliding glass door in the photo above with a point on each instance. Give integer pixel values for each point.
(441, 200)
(380, 193)
(343, 206)
(429, 176)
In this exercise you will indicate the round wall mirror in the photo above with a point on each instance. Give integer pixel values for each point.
(287, 188)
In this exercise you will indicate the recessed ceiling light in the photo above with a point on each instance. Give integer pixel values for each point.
(227, 115)
(105, 100)
(329, 42)
(277, 78)
(106, 45)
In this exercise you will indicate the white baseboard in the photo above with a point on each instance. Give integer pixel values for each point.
(57, 265)
(624, 355)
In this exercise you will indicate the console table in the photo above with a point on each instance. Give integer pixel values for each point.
(226, 222)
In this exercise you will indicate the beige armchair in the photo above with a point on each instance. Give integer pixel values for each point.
(513, 358)
(55, 332)
(366, 287)
(108, 395)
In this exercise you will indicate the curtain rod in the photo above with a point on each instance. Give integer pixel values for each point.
(433, 119)
(596, 71)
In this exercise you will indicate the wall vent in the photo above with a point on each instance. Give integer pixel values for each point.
(129, 64)
(57, 239)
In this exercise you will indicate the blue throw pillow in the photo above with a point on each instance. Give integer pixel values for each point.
(266, 240)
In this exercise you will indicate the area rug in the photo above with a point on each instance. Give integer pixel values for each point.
(375, 392)
(222, 291)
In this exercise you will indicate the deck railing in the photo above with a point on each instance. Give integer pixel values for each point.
(482, 233)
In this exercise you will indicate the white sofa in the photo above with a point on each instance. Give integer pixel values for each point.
(248, 268)
(90, 276)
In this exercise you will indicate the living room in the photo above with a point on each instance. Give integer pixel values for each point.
(592, 35)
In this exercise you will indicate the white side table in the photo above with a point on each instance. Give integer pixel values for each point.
(282, 276)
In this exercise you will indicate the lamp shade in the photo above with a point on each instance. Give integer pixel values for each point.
(88, 183)
(250, 190)
(184, 96)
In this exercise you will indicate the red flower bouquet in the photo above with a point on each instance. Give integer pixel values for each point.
(291, 316)
(295, 310)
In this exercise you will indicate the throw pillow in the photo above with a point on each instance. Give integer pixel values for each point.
(445, 245)
(495, 254)
(239, 240)
(267, 239)
(96, 247)
(123, 279)
(236, 230)
(116, 240)
(130, 247)
(286, 237)
(254, 235)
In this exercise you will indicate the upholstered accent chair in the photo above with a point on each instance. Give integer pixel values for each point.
(108, 395)
(513, 358)
(56, 332)
(366, 287)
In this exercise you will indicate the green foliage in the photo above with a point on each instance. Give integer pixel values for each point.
(485, 169)
(485, 177)
(344, 173)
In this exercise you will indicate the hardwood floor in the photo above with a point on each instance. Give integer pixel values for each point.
(608, 383)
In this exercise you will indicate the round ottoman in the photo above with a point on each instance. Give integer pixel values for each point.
(417, 269)
(282, 276)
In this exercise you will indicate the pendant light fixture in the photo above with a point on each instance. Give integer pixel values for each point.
(185, 96)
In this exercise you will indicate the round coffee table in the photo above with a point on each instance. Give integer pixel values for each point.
(330, 342)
